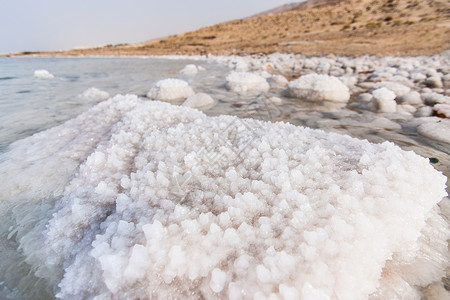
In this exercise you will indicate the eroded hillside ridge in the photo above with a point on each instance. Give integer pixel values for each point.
(351, 27)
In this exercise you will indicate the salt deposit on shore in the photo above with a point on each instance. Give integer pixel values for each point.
(418, 83)
(168, 202)
(137, 198)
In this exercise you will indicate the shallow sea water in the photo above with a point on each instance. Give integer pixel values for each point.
(29, 105)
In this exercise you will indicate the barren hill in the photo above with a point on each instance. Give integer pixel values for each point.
(296, 6)
(352, 27)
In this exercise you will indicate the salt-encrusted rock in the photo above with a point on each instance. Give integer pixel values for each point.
(403, 80)
(434, 98)
(434, 82)
(277, 82)
(170, 89)
(315, 87)
(406, 109)
(366, 85)
(438, 91)
(385, 100)
(199, 100)
(161, 201)
(94, 94)
(412, 98)
(44, 74)
(364, 97)
(244, 83)
(442, 110)
(439, 130)
(398, 88)
(424, 111)
(446, 81)
(349, 81)
(266, 75)
(189, 70)
(418, 77)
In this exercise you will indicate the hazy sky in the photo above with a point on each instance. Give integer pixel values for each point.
(31, 25)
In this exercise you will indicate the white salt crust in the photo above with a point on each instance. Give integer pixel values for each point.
(199, 100)
(167, 202)
(438, 130)
(385, 100)
(44, 74)
(170, 89)
(318, 87)
(189, 70)
(244, 83)
(94, 94)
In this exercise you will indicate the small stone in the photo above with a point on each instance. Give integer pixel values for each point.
(442, 110)
(364, 97)
(434, 82)
(434, 160)
(406, 108)
(424, 111)
(411, 98)
(434, 98)
(446, 81)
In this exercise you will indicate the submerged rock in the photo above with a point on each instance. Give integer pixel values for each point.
(438, 130)
(277, 82)
(199, 100)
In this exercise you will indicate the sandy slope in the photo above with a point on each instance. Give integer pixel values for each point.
(352, 27)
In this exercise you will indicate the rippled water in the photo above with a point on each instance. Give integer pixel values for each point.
(29, 105)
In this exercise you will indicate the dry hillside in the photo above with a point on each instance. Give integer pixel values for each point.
(352, 27)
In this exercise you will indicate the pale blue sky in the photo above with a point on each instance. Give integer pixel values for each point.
(31, 25)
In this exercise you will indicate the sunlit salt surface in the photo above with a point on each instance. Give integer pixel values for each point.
(133, 198)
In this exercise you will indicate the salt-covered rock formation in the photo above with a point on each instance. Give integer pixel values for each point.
(93, 94)
(442, 110)
(189, 70)
(316, 87)
(162, 201)
(245, 83)
(44, 74)
(199, 100)
(170, 89)
(385, 100)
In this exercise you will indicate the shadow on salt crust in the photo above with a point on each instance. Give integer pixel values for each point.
(162, 201)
